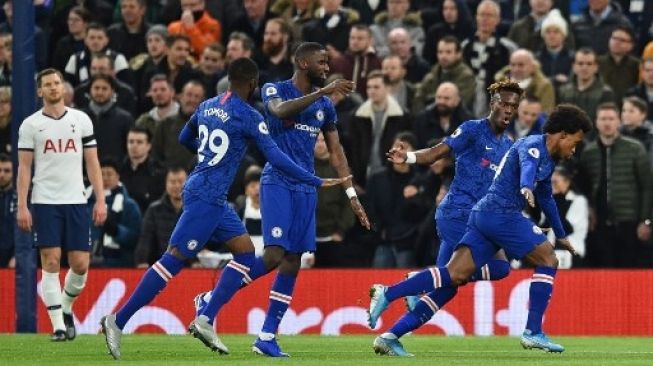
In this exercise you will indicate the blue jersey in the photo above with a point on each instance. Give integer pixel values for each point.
(296, 135)
(220, 129)
(478, 152)
(526, 165)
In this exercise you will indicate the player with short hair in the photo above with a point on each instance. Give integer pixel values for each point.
(297, 110)
(58, 139)
(218, 131)
(478, 146)
(496, 222)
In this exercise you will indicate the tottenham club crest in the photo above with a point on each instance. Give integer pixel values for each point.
(319, 115)
(277, 232)
(192, 244)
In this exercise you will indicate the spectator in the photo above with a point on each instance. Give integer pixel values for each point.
(240, 45)
(5, 120)
(441, 117)
(529, 121)
(124, 95)
(96, 41)
(6, 54)
(616, 174)
(400, 45)
(196, 24)
(248, 206)
(554, 57)
(165, 105)
(594, 27)
(395, 75)
(8, 200)
(331, 26)
(143, 177)
(574, 215)
(40, 45)
(68, 95)
(346, 106)
(526, 31)
(253, 21)
(391, 213)
(275, 64)
(296, 13)
(635, 125)
(113, 243)
(143, 65)
(165, 145)
(486, 52)
(375, 124)
(128, 36)
(176, 65)
(334, 217)
(367, 10)
(73, 42)
(110, 122)
(456, 19)
(358, 60)
(212, 67)
(450, 68)
(397, 16)
(586, 89)
(524, 69)
(618, 68)
(160, 219)
(644, 89)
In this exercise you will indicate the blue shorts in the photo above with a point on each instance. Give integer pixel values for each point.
(65, 226)
(512, 232)
(288, 218)
(450, 231)
(200, 222)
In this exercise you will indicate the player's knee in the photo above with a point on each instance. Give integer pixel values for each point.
(272, 257)
(51, 265)
(290, 264)
(552, 261)
(458, 278)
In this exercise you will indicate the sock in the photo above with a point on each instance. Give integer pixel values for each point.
(51, 289)
(494, 270)
(539, 296)
(280, 297)
(230, 282)
(425, 281)
(428, 305)
(256, 270)
(152, 282)
(73, 286)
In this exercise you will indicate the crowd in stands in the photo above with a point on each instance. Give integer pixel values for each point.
(139, 68)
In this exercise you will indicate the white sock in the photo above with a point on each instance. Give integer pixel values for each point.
(51, 289)
(207, 296)
(266, 336)
(73, 285)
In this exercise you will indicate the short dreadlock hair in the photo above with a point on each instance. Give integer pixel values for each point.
(506, 85)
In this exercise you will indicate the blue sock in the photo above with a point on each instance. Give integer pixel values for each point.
(256, 270)
(494, 270)
(428, 305)
(539, 296)
(280, 297)
(229, 283)
(425, 281)
(152, 282)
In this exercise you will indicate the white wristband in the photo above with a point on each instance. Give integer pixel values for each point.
(411, 158)
(351, 192)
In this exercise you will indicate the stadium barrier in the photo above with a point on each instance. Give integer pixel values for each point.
(333, 302)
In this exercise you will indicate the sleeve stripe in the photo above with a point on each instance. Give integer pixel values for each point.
(88, 138)
(25, 149)
(89, 146)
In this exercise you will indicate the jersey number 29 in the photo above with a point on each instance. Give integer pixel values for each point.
(218, 150)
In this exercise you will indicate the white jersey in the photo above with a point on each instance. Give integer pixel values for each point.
(58, 146)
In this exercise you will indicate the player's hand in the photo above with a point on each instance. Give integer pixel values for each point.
(528, 195)
(341, 86)
(397, 155)
(359, 211)
(643, 232)
(566, 245)
(24, 219)
(99, 213)
(328, 182)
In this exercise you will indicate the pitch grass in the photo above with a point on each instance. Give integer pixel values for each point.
(315, 350)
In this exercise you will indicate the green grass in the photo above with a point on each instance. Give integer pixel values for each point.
(315, 350)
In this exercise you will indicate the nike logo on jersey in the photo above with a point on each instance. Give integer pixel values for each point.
(488, 148)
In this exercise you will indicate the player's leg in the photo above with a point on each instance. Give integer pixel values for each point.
(78, 244)
(48, 236)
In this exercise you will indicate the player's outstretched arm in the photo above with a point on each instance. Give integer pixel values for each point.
(23, 216)
(95, 176)
(289, 108)
(338, 161)
(428, 156)
(188, 137)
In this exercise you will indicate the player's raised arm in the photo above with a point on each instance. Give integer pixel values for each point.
(289, 108)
